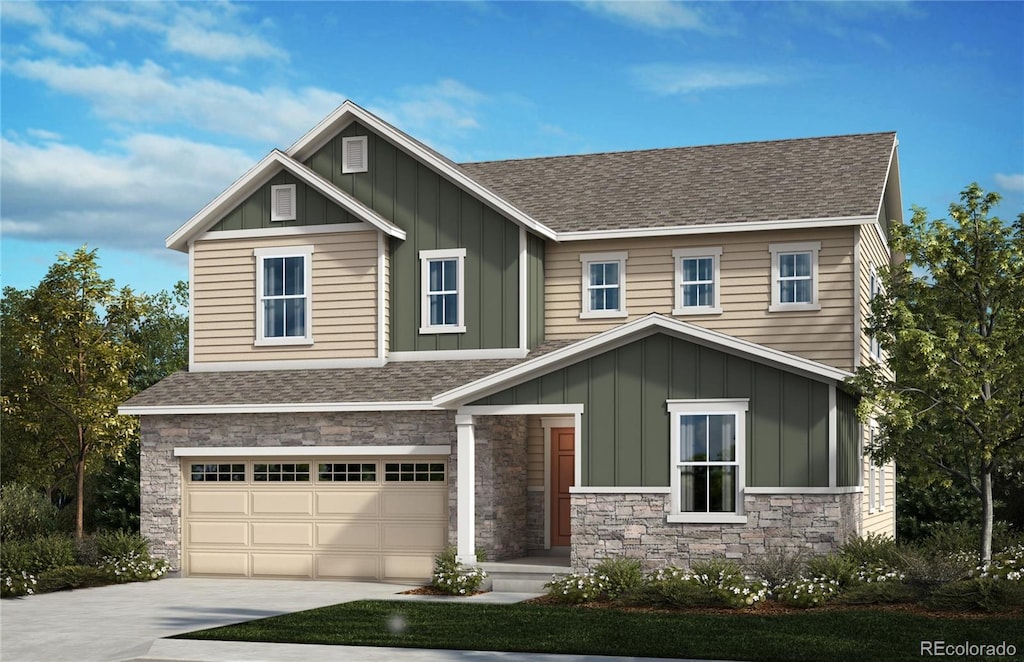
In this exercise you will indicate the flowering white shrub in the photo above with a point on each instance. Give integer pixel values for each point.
(459, 580)
(708, 583)
(804, 592)
(878, 572)
(576, 588)
(1008, 565)
(133, 567)
(17, 584)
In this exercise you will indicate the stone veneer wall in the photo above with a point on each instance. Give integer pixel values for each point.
(161, 472)
(635, 526)
(501, 496)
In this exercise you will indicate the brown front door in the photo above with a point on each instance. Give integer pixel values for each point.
(563, 470)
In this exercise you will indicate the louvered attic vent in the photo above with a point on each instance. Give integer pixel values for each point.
(353, 154)
(282, 202)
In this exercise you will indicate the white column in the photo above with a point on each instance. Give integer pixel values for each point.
(466, 490)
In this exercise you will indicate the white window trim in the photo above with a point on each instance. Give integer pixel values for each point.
(586, 259)
(874, 289)
(678, 255)
(738, 408)
(357, 142)
(305, 252)
(426, 256)
(274, 189)
(812, 247)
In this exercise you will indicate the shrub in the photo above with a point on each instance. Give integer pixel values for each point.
(977, 594)
(872, 549)
(120, 543)
(70, 577)
(132, 567)
(1006, 565)
(878, 593)
(621, 575)
(37, 555)
(877, 574)
(25, 513)
(925, 567)
(17, 584)
(452, 577)
(806, 593)
(577, 588)
(835, 567)
(673, 587)
(779, 566)
(718, 583)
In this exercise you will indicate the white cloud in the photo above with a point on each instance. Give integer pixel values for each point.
(130, 197)
(660, 14)
(216, 45)
(1010, 183)
(668, 79)
(150, 93)
(442, 113)
(28, 13)
(54, 41)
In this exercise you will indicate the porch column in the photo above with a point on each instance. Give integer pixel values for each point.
(466, 489)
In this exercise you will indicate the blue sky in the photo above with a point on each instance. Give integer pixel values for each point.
(120, 121)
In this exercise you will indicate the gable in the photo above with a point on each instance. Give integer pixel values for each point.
(312, 208)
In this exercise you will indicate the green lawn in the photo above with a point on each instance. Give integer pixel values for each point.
(852, 634)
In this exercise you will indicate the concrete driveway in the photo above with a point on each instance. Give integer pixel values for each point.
(121, 622)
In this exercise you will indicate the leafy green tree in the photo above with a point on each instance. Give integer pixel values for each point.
(72, 334)
(954, 337)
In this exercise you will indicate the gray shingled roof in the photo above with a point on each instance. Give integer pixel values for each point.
(743, 182)
(394, 382)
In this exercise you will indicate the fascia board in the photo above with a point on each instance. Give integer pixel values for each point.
(630, 332)
(276, 408)
(710, 228)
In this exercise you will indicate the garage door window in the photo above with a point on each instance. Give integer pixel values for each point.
(217, 473)
(348, 472)
(414, 472)
(281, 473)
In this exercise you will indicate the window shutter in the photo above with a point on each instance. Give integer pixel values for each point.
(282, 201)
(354, 154)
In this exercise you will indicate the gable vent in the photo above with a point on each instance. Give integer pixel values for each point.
(353, 154)
(282, 202)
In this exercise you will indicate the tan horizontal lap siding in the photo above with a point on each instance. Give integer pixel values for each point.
(881, 522)
(344, 296)
(534, 452)
(873, 255)
(825, 335)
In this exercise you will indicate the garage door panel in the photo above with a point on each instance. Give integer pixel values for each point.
(219, 563)
(282, 565)
(404, 502)
(281, 502)
(407, 535)
(283, 533)
(218, 502)
(348, 502)
(348, 535)
(334, 566)
(215, 532)
(415, 567)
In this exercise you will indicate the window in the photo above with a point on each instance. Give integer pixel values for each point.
(348, 472)
(876, 479)
(283, 301)
(217, 473)
(442, 279)
(282, 202)
(604, 285)
(697, 276)
(794, 276)
(875, 290)
(280, 473)
(354, 154)
(414, 472)
(707, 460)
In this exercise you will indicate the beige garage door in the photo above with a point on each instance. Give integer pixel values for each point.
(315, 518)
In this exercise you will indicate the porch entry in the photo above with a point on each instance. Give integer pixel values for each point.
(562, 475)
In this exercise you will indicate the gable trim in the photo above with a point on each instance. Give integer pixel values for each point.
(289, 231)
(625, 334)
(711, 228)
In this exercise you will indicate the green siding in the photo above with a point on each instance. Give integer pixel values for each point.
(848, 440)
(311, 208)
(435, 213)
(534, 290)
(625, 436)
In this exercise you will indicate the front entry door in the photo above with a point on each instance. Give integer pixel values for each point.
(563, 471)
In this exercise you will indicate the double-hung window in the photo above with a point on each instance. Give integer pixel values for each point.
(795, 276)
(283, 295)
(707, 462)
(875, 290)
(604, 285)
(696, 278)
(442, 277)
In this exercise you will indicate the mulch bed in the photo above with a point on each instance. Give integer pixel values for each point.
(430, 590)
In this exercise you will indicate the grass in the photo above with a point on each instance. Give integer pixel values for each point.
(833, 634)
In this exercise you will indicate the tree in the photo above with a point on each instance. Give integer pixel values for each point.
(954, 336)
(72, 334)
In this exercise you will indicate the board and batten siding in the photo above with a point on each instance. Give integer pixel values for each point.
(825, 335)
(435, 213)
(625, 425)
(344, 298)
(311, 208)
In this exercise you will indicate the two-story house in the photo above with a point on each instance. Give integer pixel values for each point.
(625, 354)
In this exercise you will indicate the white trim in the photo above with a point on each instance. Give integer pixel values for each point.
(523, 289)
(308, 451)
(706, 228)
(191, 307)
(833, 438)
(306, 253)
(620, 490)
(277, 189)
(891, 169)
(812, 247)
(518, 410)
(547, 424)
(348, 111)
(257, 176)
(276, 408)
(577, 450)
(586, 259)
(852, 489)
(701, 518)
(361, 143)
(626, 333)
(465, 490)
(381, 285)
(458, 354)
(680, 254)
(875, 288)
(287, 231)
(857, 327)
(426, 257)
(287, 364)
